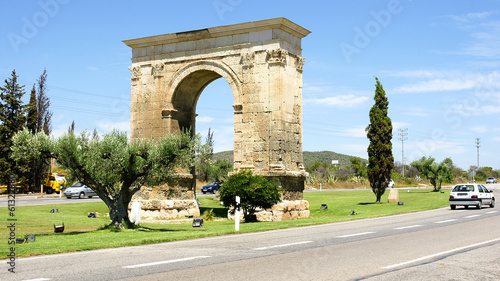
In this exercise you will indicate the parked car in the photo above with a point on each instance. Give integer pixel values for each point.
(471, 194)
(391, 184)
(79, 190)
(211, 187)
(491, 180)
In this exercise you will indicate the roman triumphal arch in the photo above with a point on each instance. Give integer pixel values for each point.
(262, 63)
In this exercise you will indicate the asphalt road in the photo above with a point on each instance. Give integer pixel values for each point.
(32, 200)
(441, 244)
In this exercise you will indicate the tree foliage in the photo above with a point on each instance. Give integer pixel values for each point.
(359, 166)
(219, 170)
(434, 172)
(379, 132)
(255, 191)
(205, 160)
(32, 114)
(111, 166)
(44, 115)
(12, 120)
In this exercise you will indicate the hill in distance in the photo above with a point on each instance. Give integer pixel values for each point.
(310, 157)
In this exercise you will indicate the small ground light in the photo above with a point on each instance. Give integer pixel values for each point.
(401, 203)
(92, 215)
(59, 228)
(20, 240)
(198, 222)
(54, 211)
(31, 238)
(353, 213)
(324, 206)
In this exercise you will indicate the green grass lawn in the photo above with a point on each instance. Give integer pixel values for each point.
(83, 233)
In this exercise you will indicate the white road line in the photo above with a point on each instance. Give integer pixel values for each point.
(355, 234)
(445, 221)
(165, 262)
(492, 212)
(441, 254)
(38, 279)
(471, 216)
(410, 226)
(282, 245)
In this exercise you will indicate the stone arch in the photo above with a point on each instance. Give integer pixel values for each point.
(189, 81)
(263, 65)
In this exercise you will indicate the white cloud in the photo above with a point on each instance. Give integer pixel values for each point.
(204, 119)
(417, 111)
(490, 109)
(339, 101)
(418, 73)
(479, 82)
(436, 85)
(105, 126)
(471, 17)
(356, 132)
(480, 129)
(484, 31)
(430, 147)
(398, 125)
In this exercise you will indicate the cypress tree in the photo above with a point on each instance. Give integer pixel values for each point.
(379, 132)
(44, 115)
(12, 120)
(32, 118)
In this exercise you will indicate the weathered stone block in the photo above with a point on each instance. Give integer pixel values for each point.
(264, 216)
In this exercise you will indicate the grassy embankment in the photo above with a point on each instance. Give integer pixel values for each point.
(83, 233)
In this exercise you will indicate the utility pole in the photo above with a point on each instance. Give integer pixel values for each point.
(478, 141)
(403, 134)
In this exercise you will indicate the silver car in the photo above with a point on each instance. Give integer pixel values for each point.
(79, 190)
(491, 180)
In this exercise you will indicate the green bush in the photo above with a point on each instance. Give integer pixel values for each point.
(254, 191)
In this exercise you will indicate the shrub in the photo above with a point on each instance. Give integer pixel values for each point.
(254, 191)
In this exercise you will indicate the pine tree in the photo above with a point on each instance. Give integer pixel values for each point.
(379, 132)
(12, 120)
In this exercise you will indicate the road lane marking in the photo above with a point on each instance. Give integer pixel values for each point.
(282, 245)
(165, 262)
(410, 226)
(355, 234)
(38, 279)
(441, 253)
(492, 212)
(445, 221)
(471, 216)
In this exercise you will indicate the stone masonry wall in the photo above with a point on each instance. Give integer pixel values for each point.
(285, 210)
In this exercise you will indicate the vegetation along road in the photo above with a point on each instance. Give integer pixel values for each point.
(432, 245)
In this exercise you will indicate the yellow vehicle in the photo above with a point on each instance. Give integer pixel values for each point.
(54, 183)
(19, 187)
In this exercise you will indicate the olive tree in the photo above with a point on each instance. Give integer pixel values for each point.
(434, 172)
(111, 165)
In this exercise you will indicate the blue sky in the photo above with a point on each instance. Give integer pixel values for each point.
(438, 61)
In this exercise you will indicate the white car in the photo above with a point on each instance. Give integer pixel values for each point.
(79, 190)
(391, 184)
(471, 194)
